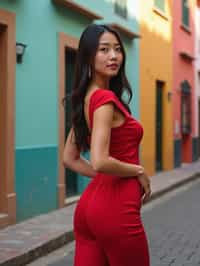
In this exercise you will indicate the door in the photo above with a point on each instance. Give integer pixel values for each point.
(199, 126)
(70, 176)
(2, 124)
(159, 115)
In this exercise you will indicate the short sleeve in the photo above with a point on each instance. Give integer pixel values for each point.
(101, 97)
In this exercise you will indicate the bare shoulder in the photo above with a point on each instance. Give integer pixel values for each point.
(103, 115)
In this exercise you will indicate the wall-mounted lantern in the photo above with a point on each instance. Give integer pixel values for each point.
(20, 49)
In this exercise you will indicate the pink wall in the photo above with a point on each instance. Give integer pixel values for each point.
(182, 69)
(197, 65)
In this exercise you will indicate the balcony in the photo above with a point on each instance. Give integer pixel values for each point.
(78, 9)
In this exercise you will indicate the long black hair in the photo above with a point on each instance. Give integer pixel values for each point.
(87, 49)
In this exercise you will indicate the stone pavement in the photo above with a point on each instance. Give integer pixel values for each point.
(172, 228)
(28, 240)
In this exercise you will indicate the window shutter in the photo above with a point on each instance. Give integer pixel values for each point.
(185, 107)
(185, 12)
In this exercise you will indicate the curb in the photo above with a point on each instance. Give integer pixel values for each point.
(171, 187)
(67, 237)
(40, 251)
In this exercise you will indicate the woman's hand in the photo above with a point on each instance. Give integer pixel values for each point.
(146, 185)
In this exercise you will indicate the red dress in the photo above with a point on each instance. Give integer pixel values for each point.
(107, 224)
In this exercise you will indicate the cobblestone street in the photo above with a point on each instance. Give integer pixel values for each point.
(173, 230)
(172, 225)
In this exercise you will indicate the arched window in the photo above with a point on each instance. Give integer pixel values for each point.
(185, 107)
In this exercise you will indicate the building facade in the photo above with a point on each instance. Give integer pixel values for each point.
(185, 137)
(197, 74)
(156, 85)
(34, 123)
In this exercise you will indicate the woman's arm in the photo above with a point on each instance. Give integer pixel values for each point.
(100, 142)
(73, 160)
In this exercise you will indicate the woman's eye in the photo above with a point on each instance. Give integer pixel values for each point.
(118, 49)
(104, 49)
(107, 49)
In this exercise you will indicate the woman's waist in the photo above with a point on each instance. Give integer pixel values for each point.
(111, 178)
(104, 184)
(126, 158)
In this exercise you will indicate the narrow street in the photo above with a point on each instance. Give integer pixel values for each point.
(172, 225)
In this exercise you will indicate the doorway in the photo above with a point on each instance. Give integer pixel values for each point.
(70, 176)
(159, 124)
(2, 118)
(7, 118)
(199, 127)
(66, 43)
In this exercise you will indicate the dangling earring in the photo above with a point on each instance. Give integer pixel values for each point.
(89, 72)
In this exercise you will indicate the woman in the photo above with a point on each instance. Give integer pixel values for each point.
(107, 224)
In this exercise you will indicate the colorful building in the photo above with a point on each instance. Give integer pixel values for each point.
(34, 123)
(156, 84)
(197, 74)
(185, 135)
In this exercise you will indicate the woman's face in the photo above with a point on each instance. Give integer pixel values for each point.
(109, 57)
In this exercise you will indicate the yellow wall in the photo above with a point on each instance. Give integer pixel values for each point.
(155, 64)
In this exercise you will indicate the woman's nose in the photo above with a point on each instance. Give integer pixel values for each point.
(113, 53)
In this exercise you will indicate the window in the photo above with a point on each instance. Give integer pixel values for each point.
(185, 13)
(160, 4)
(185, 107)
(199, 46)
(198, 30)
(120, 8)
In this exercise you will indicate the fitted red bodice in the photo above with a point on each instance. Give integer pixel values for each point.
(125, 139)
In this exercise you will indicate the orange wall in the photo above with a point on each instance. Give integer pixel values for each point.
(155, 64)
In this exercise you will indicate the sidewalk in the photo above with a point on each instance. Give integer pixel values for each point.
(26, 241)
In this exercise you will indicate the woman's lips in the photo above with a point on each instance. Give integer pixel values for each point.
(113, 66)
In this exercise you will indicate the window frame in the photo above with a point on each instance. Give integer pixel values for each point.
(120, 9)
(158, 7)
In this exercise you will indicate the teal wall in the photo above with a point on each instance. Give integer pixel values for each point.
(36, 174)
(37, 25)
(37, 77)
(132, 71)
